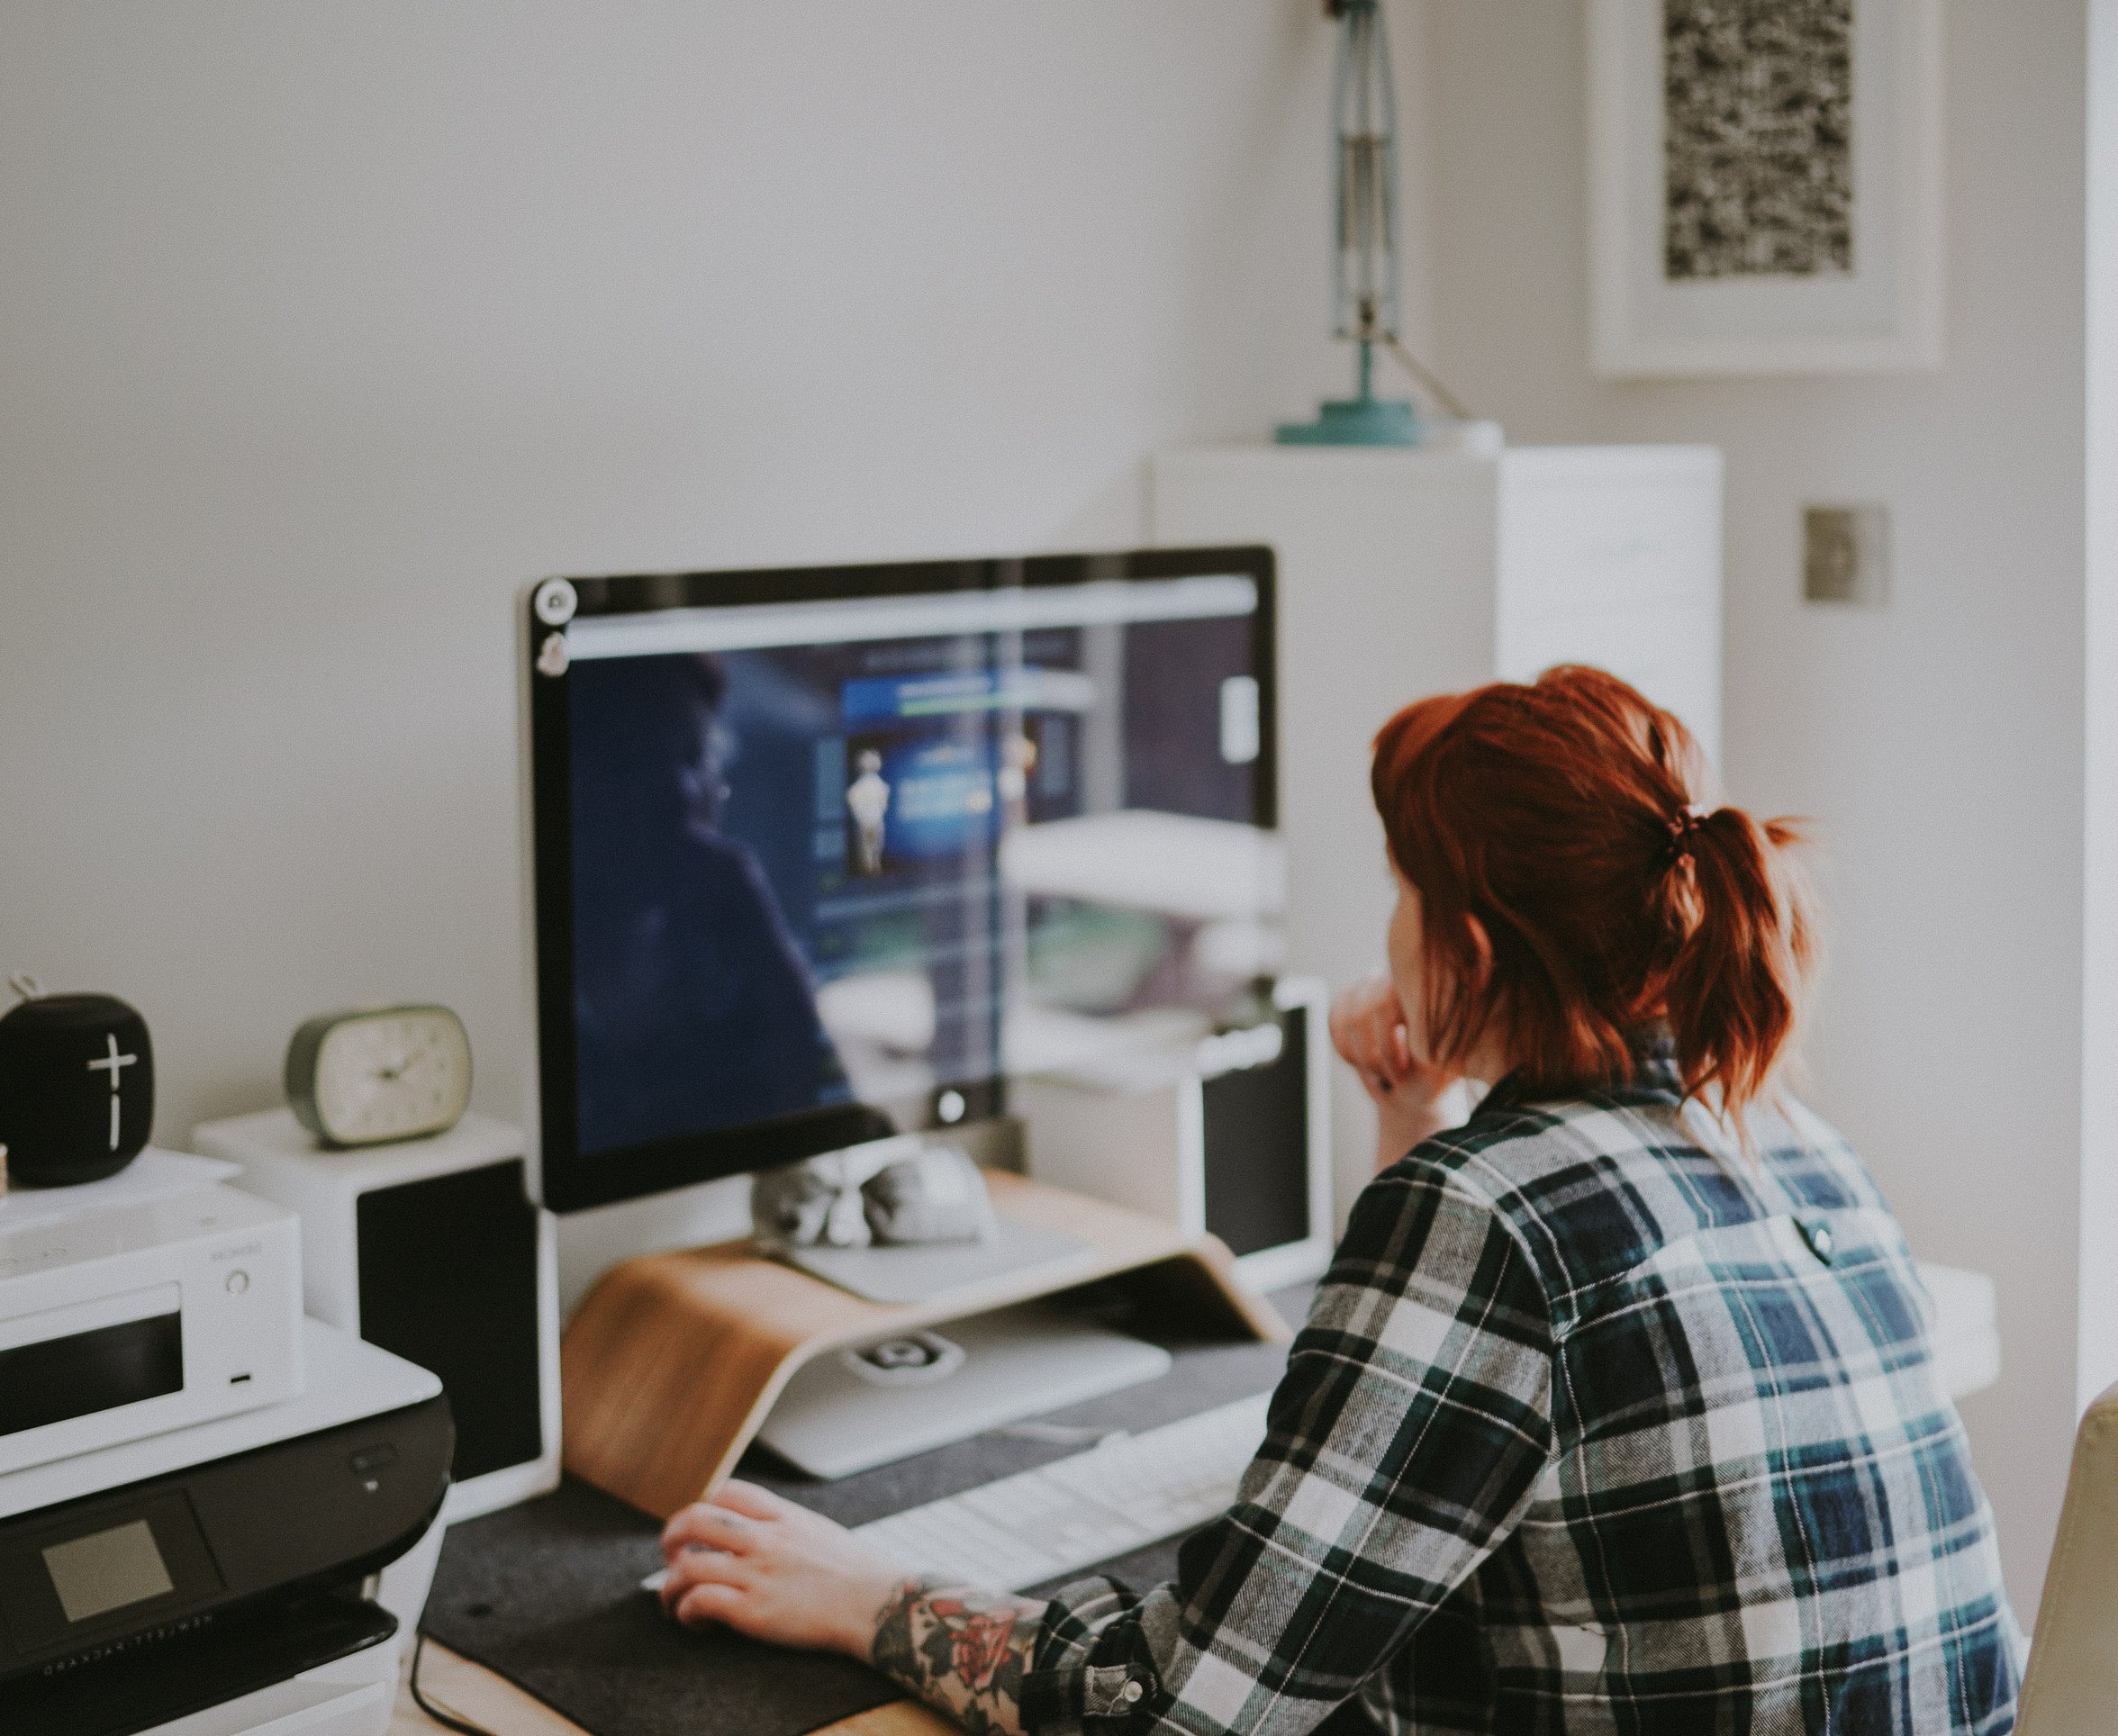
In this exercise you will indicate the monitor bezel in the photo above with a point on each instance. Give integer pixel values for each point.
(567, 1180)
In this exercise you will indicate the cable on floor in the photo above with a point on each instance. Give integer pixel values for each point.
(440, 1710)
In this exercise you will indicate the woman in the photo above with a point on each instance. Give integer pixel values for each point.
(1617, 1410)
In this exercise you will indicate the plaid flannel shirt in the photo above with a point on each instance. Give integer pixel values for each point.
(1589, 1429)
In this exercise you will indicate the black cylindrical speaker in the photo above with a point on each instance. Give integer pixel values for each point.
(77, 1089)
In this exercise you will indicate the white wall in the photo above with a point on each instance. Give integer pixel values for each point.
(1937, 742)
(326, 326)
(2096, 1364)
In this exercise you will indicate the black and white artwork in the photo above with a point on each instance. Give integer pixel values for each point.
(1764, 186)
(1757, 137)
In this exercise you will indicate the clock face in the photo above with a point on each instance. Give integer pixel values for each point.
(392, 1075)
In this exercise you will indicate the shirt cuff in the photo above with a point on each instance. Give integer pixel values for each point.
(1091, 1674)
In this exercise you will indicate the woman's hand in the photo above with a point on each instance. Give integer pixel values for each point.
(1370, 1031)
(775, 1571)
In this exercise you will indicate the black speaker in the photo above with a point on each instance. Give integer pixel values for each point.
(1229, 1133)
(76, 1087)
(447, 1279)
(1256, 1146)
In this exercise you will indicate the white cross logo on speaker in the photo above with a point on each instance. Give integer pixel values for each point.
(114, 1063)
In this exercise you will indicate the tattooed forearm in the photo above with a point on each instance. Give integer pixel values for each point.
(962, 1651)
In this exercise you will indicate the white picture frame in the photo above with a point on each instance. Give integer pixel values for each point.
(1657, 314)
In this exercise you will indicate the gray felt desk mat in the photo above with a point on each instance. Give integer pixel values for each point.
(546, 1594)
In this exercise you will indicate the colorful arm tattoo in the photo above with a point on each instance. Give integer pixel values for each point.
(962, 1651)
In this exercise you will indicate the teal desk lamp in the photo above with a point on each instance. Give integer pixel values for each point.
(1365, 260)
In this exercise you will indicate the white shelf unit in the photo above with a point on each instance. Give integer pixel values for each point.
(1409, 573)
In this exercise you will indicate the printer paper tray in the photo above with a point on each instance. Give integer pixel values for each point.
(243, 1648)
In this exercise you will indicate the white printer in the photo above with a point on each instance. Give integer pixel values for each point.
(183, 1550)
(149, 1301)
(226, 1567)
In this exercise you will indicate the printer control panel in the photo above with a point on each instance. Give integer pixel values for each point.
(154, 1563)
(121, 1565)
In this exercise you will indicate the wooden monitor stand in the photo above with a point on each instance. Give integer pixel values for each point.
(673, 1361)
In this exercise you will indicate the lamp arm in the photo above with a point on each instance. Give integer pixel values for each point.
(1426, 376)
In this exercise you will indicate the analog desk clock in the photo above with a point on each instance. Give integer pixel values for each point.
(382, 1073)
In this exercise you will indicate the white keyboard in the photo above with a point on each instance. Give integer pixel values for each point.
(1129, 1491)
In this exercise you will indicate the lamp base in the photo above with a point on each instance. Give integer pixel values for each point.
(1356, 422)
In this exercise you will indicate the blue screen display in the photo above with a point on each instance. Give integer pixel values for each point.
(815, 864)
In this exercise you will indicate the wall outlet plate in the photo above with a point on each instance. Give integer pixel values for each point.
(1846, 553)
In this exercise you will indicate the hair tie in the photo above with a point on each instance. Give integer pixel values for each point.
(1682, 824)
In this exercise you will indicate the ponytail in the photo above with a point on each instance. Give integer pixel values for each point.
(1734, 988)
(1558, 818)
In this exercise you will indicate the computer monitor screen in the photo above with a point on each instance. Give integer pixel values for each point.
(825, 854)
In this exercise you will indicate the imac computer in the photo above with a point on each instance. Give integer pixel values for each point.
(824, 856)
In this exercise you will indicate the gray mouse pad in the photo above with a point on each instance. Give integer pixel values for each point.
(548, 1595)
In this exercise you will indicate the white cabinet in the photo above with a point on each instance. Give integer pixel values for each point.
(1612, 556)
(1403, 574)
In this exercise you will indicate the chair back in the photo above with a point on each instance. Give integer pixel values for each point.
(2072, 1686)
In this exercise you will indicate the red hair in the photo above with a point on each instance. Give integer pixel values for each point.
(1562, 816)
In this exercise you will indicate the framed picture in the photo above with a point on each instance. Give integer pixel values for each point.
(1764, 186)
